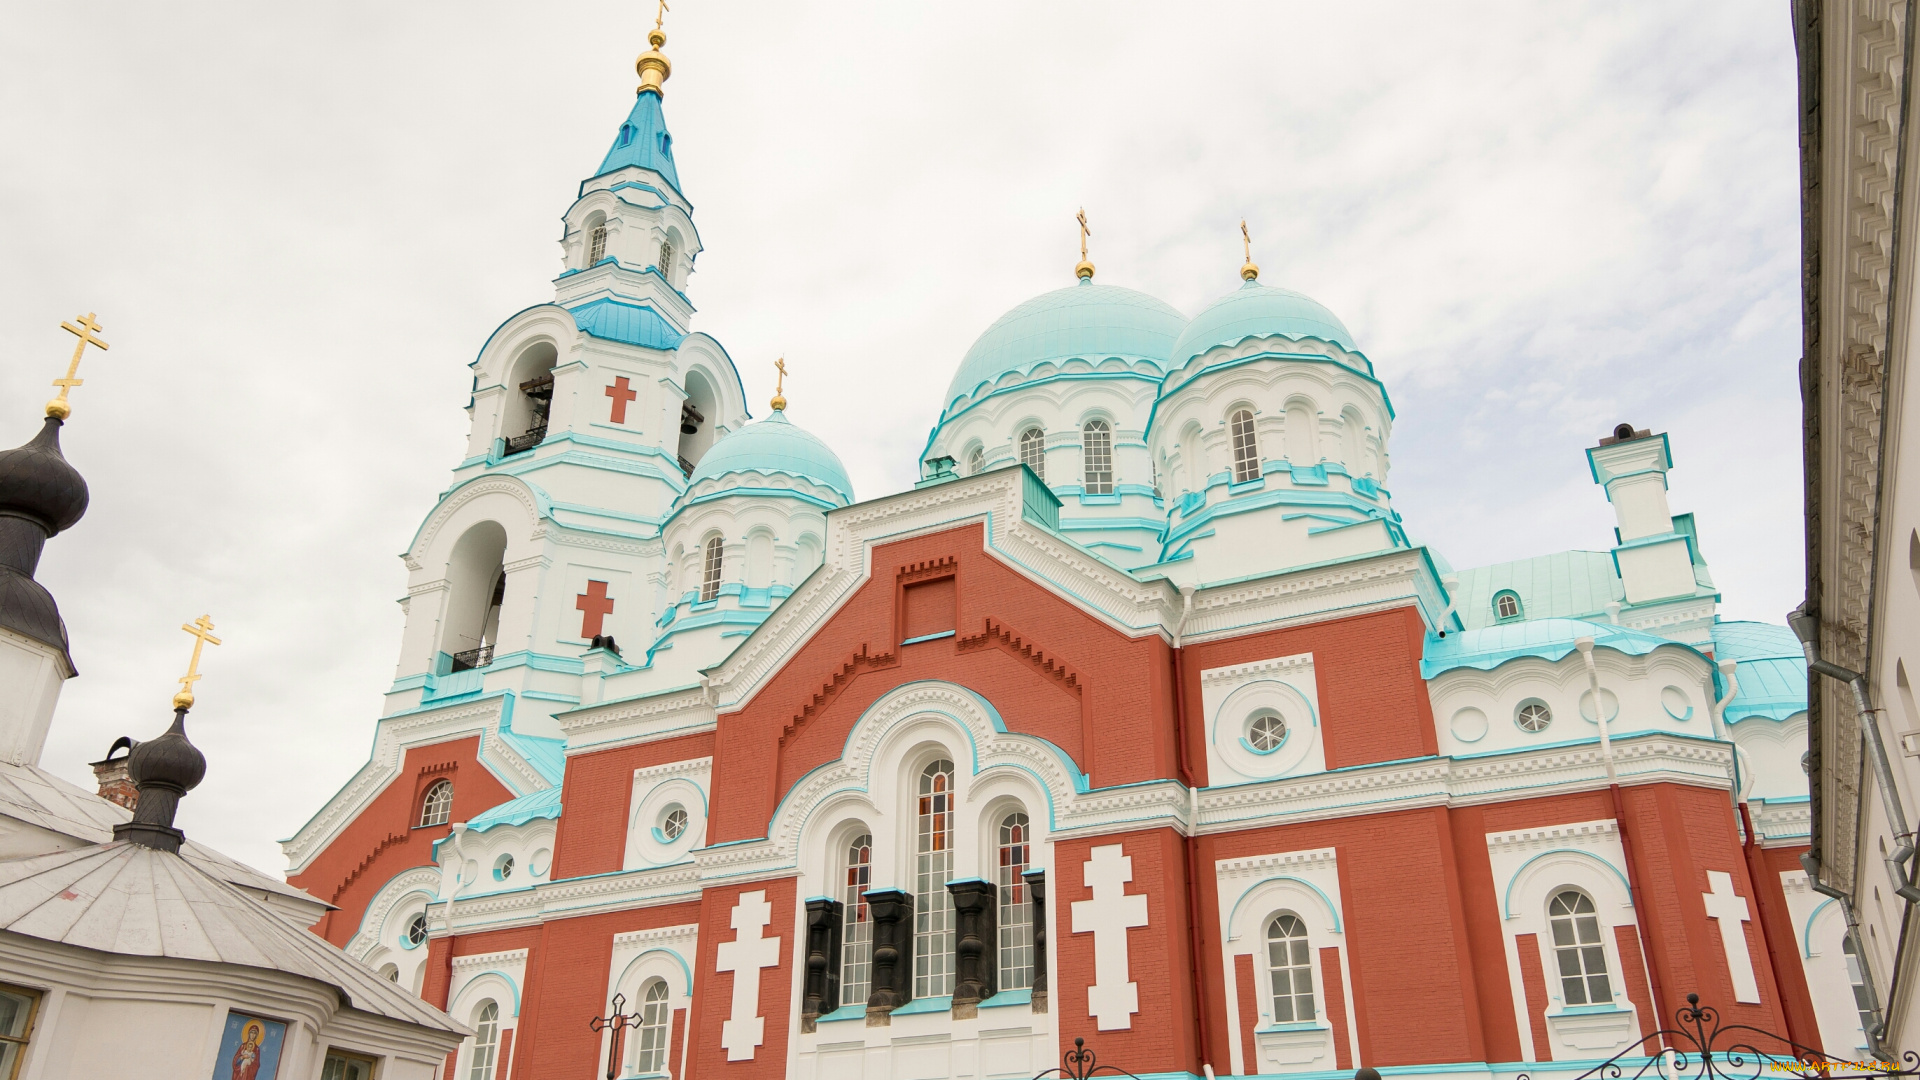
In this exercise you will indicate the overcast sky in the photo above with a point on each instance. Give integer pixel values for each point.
(299, 223)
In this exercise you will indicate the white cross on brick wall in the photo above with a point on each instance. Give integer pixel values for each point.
(745, 955)
(1730, 911)
(1113, 998)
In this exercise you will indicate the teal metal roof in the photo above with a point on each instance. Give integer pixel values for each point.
(774, 445)
(634, 324)
(547, 756)
(1564, 585)
(540, 804)
(1255, 310)
(1548, 639)
(1084, 321)
(643, 140)
(1771, 670)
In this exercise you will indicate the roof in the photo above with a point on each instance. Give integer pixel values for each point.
(633, 324)
(643, 141)
(774, 445)
(1254, 311)
(1770, 672)
(540, 804)
(1084, 321)
(31, 794)
(1564, 585)
(1548, 639)
(130, 900)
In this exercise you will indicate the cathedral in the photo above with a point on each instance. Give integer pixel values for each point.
(1142, 719)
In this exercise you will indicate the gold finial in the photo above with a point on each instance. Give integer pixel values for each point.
(202, 631)
(58, 407)
(1248, 272)
(780, 399)
(1085, 270)
(652, 67)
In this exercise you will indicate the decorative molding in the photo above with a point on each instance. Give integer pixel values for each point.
(1261, 866)
(482, 961)
(658, 936)
(1555, 836)
(1278, 666)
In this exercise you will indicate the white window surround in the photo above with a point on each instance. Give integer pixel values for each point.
(1233, 697)
(667, 953)
(1251, 892)
(1529, 867)
(655, 790)
(476, 979)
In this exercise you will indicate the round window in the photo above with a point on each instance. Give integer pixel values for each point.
(503, 869)
(1265, 732)
(416, 932)
(673, 823)
(1533, 715)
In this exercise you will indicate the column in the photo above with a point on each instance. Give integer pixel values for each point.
(892, 912)
(823, 960)
(975, 947)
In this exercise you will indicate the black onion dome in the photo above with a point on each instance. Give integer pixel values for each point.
(168, 761)
(37, 483)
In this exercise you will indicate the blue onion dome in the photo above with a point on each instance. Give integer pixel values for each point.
(774, 445)
(1084, 321)
(1254, 311)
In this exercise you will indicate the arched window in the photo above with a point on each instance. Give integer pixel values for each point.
(1033, 451)
(976, 461)
(1302, 439)
(1014, 856)
(666, 260)
(1857, 977)
(1246, 447)
(596, 244)
(1506, 605)
(933, 867)
(1096, 457)
(486, 1041)
(856, 941)
(1290, 961)
(437, 807)
(390, 972)
(650, 1021)
(710, 571)
(1577, 950)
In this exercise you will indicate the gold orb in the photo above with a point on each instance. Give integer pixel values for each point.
(1249, 271)
(183, 700)
(59, 409)
(779, 403)
(1084, 270)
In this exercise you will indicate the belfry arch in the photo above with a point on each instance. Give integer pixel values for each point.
(476, 587)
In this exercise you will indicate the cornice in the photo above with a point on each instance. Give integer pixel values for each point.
(1553, 836)
(1268, 865)
(670, 714)
(659, 935)
(482, 961)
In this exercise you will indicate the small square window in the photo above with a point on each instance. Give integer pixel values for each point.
(19, 1007)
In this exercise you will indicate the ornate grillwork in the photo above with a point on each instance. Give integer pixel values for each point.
(1079, 1064)
(473, 658)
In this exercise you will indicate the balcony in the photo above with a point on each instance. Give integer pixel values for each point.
(520, 444)
(472, 659)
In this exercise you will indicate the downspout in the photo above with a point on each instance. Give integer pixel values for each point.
(1720, 729)
(1807, 628)
(1810, 862)
(1640, 912)
(1194, 936)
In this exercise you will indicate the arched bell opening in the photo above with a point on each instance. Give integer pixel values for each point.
(476, 588)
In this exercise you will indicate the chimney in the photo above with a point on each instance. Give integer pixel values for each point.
(116, 784)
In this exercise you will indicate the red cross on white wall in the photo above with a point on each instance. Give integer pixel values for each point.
(621, 393)
(596, 605)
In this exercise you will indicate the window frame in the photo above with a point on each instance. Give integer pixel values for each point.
(1032, 447)
(1545, 712)
(476, 1070)
(855, 862)
(1583, 951)
(1096, 457)
(647, 1023)
(25, 1041)
(1293, 995)
(1245, 442)
(976, 461)
(431, 804)
(934, 925)
(596, 244)
(1013, 926)
(713, 559)
(1500, 612)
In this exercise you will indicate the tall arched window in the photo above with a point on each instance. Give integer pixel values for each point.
(976, 461)
(933, 867)
(710, 571)
(596, 244)
(437, 807)
(666, 260)
(1857, 977)
(1096, 457)
(1577, 950)
(856, 941)
(1246, 447)
(1033, 451)
(1290, 961)
(486, 1041)
(651, 1022)
(1015, 855)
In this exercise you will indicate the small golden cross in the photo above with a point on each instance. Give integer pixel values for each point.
(1081, 217)
(202, 631)
(58, 407)
(660, 15)
(781, 382)
(1246, 239)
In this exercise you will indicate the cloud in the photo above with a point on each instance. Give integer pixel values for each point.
(298, 226)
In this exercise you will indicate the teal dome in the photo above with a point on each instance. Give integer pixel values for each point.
(1084, 321)
(1256, 310)
(774, 445)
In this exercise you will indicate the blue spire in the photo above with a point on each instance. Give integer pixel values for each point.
(643, 141)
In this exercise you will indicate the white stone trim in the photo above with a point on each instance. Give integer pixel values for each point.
(1251, 889)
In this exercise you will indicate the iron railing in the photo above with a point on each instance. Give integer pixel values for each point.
(472, 658)
(520, 444)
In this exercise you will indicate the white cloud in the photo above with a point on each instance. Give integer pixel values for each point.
(299, 224)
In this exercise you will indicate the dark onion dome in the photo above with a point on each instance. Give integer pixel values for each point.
(40, 495)
(37, 483)
(164, 769)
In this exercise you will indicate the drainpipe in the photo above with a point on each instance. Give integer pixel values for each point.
(1719, 719)
(1452, 584)
(1807, 628)
(1810, 862)
(1640, 911)
(1194, 937)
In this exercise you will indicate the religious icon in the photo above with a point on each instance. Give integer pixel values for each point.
(249, 1049)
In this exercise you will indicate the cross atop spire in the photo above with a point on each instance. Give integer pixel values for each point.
(652, 67)
(58, 407)
(1249, 271)
(202, 631)
(1085, 270)
(779, 401)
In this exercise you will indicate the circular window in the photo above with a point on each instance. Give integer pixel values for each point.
(1533, 715)
(503, 869)
(1266, 732)
(416, 932)
(673, 823)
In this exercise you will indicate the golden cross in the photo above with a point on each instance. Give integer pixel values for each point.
(202, 631)
(58, 407)
(782, 380)
(660, 15)
(1246, 238)
(1081, 217)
